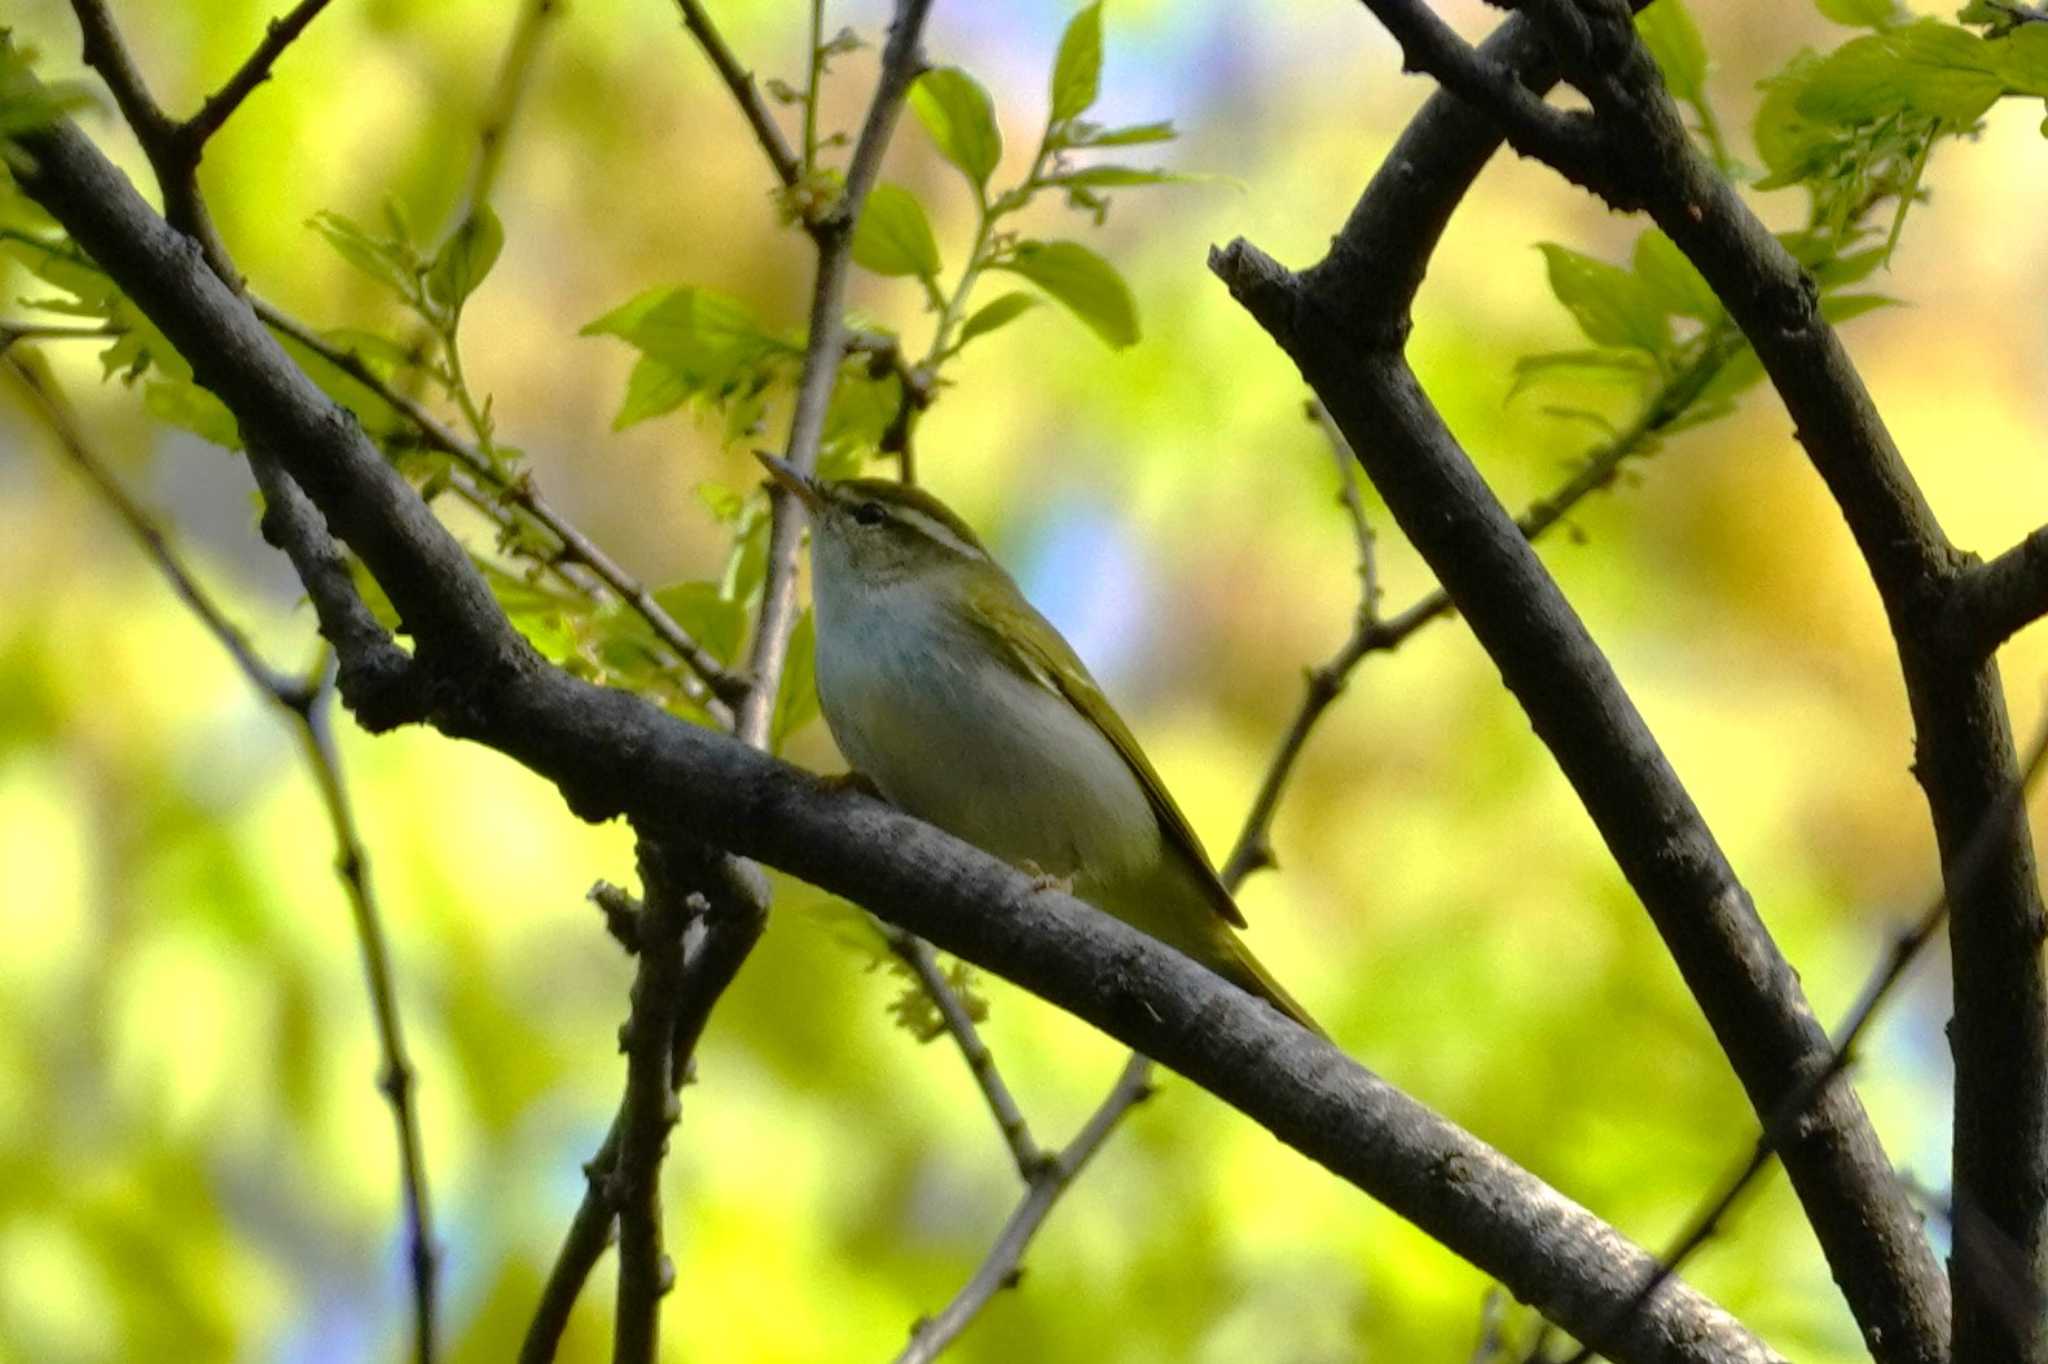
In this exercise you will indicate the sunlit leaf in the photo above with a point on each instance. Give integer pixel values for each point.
(1630, 365)
(996, 313)
(386, 261)
(961, 119)
(1129, 136)
(797, 701)
(186, 405)
(1611, 306)
(1084, 282)
(466, 258)
(1859, 13)
(1674, 283)
(713, 620)
(1077, 74)
(893, 236)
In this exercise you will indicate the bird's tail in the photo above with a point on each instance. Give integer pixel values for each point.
(1235, 963)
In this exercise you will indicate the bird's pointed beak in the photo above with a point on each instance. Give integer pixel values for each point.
(789, 476)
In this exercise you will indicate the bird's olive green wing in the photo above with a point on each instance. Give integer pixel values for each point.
(1028, 642)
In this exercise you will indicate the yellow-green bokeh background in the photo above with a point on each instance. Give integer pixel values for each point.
(194, 1163)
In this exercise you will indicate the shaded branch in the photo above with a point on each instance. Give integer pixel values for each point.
(1344, 322)
(1905, 949)
(1964, 751)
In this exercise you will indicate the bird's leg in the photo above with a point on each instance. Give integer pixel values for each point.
(840, 782)
(1041, 879)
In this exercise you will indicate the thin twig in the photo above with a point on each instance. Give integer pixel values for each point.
(1906, 947)
(745, 93)
(917, 955)
(305, 701)
(1003, 1266)
(833, 233)
(1373, 633)
(281, 33)
(11, 332)
(521, 492)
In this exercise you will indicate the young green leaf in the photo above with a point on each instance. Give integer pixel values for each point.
(1929, 68)
(1859, 13)
(1116, 177)
(997, 313)
(466, 258)
(1087, 284)
(1672, 280)
(1611, 306)
(893, 237)
(961, 119)
(1631, 366)
(713, 621)
(1077, 74)
(387, 262)
(1668, 30)
(181, 403)
(1088, 135)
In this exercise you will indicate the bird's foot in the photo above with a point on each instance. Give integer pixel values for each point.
(1042, 880)
(841, 782)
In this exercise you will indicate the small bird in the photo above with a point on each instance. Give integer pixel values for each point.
(966, 708)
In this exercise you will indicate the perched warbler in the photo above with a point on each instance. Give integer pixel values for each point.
(966, 708)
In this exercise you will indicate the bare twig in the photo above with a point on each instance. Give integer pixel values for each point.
(745, 93)
(304, 699)
(648, 1111)
(833, 233)
(1973, 862)
(11, 332)
(280, 34)
(917, 955)
(1003, 1266)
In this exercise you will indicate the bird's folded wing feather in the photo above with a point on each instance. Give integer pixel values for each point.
(1025, 640)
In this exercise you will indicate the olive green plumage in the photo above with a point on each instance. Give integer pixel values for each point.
(966, 708)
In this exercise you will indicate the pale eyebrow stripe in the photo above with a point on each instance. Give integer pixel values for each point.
(937, 530)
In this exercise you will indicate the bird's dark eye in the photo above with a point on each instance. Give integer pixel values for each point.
(869, 514)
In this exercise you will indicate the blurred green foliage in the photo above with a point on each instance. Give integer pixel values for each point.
(196, 1163)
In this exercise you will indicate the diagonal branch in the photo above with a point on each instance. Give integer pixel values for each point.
(1994, 601)
(609, 752)
(1964, 751)
(745, 93)
(219, 106)
(1344, 322)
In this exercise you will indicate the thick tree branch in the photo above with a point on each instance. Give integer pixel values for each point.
(1344, 322)
(1964, 753)
(610, 752)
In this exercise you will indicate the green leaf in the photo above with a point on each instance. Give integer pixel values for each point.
(26, 101)
(797, 701)
(1672, 280)
(1077, 74)
(695, 344)
(1840, 308)
(996, 313)
(1611, 306)
(710, 618)
(2022, 59)
(466, 258)
(1929, 68)
(652, 390)
(388, 262)
(1859, 13)
(1668, 30)
(1129, 136)
(1084, 282)
(188, 406)
(1116, 177)
(893, 237)
(1630, 365)
(961, 119)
